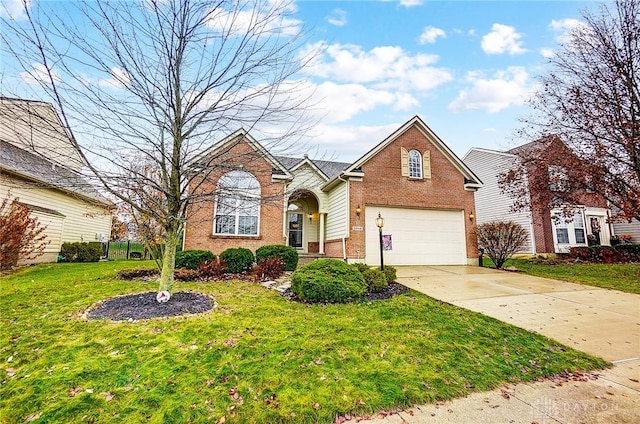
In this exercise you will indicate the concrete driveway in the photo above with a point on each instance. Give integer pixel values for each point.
(604, 323)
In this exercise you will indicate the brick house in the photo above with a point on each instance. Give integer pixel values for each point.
(549, 229)
(424, 192)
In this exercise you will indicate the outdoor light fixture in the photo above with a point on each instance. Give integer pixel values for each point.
(471, 216)
(358, 211)
(380, 224)
(310, 216)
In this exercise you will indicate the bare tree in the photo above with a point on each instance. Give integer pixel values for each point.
(159, 81)
(501, 240)
(590, 101)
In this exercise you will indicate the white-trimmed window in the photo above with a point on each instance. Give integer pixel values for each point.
(415, 164)
(237, 206)
(569, 232)
(578, 228)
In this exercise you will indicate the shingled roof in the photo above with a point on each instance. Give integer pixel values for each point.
(45, 173)
(329, 168)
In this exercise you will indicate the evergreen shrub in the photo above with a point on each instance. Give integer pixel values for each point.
(376, 280)
(328, 280)
(190, 259)
(238, 259)
(80, 252)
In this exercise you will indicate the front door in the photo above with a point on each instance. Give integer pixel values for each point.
(295, 230)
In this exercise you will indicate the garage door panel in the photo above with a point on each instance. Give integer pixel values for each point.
(419, 236)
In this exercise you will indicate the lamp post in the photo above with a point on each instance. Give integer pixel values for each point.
(380, 224)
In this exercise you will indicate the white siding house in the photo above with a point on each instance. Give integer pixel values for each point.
(42, 172)
(491, 203)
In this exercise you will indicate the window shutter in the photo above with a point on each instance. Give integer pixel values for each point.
(426, 164)
(404, 158)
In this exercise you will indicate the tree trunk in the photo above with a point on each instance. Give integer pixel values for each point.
(169, 261)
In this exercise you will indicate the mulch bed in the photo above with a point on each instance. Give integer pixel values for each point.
(144, 306)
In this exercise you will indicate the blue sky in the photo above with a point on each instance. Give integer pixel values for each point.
(465, 67)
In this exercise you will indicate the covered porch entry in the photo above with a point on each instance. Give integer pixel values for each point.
(304, 225)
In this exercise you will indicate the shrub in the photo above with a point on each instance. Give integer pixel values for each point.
(185, 274)
(20, 234)
(269, 269)
(130, 274)
(501, 240)
(621, 253)
(629, 252)
(190, 259)
(288, 254)
(80, 252)
(238, 259)
(361, 266)
(391, 273)
(376, 280)
(215, 268)
(328, 280)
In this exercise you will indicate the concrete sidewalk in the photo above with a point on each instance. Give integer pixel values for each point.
(604, 323)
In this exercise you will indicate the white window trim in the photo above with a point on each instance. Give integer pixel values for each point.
(564, 247)
(236, 212)
(418, 166)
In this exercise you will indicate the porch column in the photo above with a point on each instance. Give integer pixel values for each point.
(321, 238)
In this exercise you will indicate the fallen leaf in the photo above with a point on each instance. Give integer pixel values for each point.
(74, 391)
(11, 370)
(33, 417)
(316, 406)
(505, 395)
(108, 396)
(635, 380)
(222, 420)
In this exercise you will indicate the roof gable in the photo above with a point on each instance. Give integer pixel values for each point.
(243, 136)
(471, 180)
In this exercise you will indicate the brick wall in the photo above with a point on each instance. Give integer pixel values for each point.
(199, 228)
(384, 185)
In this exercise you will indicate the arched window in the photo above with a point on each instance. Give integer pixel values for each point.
(415, 164)
(237, 208)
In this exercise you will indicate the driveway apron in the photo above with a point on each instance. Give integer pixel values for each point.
(601, 322)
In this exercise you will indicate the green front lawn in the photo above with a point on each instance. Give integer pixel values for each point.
(623, 277)
(256, 358)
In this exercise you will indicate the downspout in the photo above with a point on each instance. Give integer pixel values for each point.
(344, 237)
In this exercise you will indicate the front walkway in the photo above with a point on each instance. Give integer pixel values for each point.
(604, 323)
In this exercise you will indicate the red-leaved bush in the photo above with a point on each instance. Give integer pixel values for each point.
(21, 236)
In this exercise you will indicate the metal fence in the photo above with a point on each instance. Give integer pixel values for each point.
(122, 250)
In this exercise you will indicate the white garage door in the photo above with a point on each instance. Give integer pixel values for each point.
(418, 236)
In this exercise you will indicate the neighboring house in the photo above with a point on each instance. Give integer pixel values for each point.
(549, 231)
(412, 179)
(40, 167)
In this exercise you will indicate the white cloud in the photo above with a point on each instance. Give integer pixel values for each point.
(431, 34)
(411, 3)
(547, 52)
(264, 19)
(349, 142)
(341, 102)
(118, 79)
(506, 88)
(388, 67)
(564, 27)
(338, 18)
(38, 75)
(502, 39)
(14, 9)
